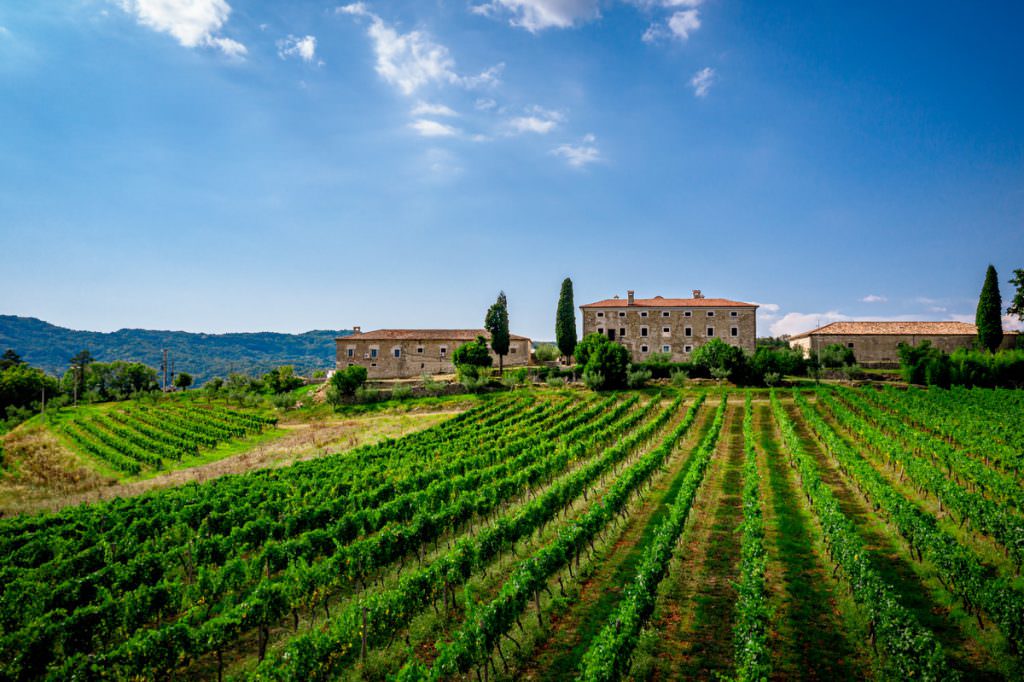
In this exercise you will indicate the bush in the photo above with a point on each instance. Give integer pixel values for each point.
(349, 380)
(680, 377)
(611, 361)
(586, 347)
(915, 359)
(637, 377)
(721, 361)
(556, 382)
(473, 382)
(472, 357)
(432, 386)
(367, 395)
(659, 358)
(721, 373)
(515, 377)
(665, 370)
(772, 379)
(546, 352)
(593, 379)
(778, 360)
(401, 392)
(835, 356)
(283, 401)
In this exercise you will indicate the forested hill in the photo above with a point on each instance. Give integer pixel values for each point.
(204, 356)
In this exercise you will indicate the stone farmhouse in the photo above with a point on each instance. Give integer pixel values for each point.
(875, 344)
(407, 353)
(671, 325)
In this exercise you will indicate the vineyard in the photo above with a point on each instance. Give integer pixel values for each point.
(828, 533)
(135, 439)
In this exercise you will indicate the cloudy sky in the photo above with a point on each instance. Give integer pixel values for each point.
(244, 165)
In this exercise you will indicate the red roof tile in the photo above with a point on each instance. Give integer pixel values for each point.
(659, 302)
(894, 328)
(424, 335)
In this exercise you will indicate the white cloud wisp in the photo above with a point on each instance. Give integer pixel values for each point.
(702, 81)
(579, 155)
(193, 23)
(303, 48)
(537, 15)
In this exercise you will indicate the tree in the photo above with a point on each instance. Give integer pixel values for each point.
(9, 359)
(586, 347)
(565, 321)
(1017, 307)
(471, 357)
(836, 355)
(281, 380)
(78, 365)
(22, 386)
(990, 309)
(607, 363)
(718, 355)
(346, 381)
(496, 322)
(183, 380)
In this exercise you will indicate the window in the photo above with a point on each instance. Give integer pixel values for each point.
(351, 352)
(687, 313)
(643, 349)
(664, 313)
(398, 352)
(666, 330)
(622, 332)
(600, 313)
(688, 331)
(850, 344)
(419, 349)
(666, 349)
(422, 365)
(687, 349)
(373, 352)
(444, 351)
(734, 331)
(733, 313)
(600, 330)
(622, 314)
(643, 331)
(643, 313)
(711, 332)
(711, 313)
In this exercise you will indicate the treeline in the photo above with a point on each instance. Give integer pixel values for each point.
(927, 365)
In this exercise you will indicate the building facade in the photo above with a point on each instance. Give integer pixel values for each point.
(876, 344)
(407, 353)
(676, 326)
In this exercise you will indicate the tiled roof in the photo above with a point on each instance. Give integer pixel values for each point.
(424, 335)
(894, 328)
(659, 302)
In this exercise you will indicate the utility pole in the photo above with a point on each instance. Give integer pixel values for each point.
(163, 368)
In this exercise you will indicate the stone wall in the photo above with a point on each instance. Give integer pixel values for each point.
(414, 357)
(668, 327)
(880, 350)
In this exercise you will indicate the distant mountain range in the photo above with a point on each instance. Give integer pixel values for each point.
(204, 356)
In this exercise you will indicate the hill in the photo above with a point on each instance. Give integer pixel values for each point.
(204, 356)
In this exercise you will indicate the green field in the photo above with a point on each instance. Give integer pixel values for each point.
(825, 533)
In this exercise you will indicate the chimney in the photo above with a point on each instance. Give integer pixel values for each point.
(697, 294)
(357, 329)
(629, 297)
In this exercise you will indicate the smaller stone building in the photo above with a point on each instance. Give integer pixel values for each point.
(875, 344)
(407, 353)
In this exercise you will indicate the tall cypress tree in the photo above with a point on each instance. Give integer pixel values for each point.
(989, 317)
(496, 322)
(565, 321)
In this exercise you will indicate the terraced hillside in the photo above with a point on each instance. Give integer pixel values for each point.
(836, 533)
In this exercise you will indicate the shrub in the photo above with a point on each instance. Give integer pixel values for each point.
(680, 377)
(283, 401)
(637, 377)
(556, 382)
(721, 373)
(659, 358)
(473, 354)
(432, 386)
(720, 360)
(546, 352)
(593, 379)
(836, 355)
(365, 394)
(475, 383)
(349, 380)
(401, 392)
(515, 377)
(772, 379)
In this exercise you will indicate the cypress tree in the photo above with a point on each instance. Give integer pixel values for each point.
(989, 317)
(496, 322)
(565, 321)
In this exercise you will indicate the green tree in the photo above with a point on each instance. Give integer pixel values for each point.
(546, 352)
(79, 363)
(22, 386)
(836, 355)
(586, 347)
(183, 380)
(496, 322)
(1017, 307)
(281, 380)
(212, 388)
(472, 357)
(346, 381)
(565, 321)
(718, 355)
(607, 363)
(9, 359)
(990, 309)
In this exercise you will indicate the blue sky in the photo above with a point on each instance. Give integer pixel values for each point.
(233, 165)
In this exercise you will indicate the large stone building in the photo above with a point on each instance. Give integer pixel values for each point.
(676, 326)
(875, 344)
(404, 353)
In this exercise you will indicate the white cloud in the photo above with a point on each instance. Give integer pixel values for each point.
(702, 81)
(579, 155)
(796, 323)
(874, 298)
(683, 23)
(193, 23)
(303, 48)
(537, 15)
(485, 104)
(411, 60)
(539, 120)
(427, 128)
(427, 109)
(1011, 323)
